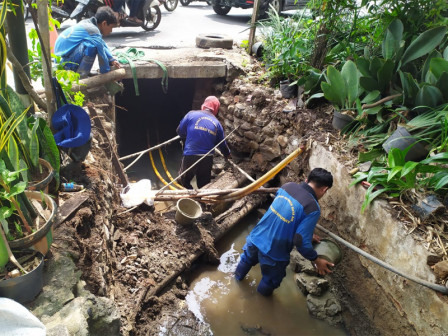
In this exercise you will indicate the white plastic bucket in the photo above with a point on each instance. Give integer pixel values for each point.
(187, 210)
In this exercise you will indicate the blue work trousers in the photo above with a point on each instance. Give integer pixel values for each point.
(273, 271)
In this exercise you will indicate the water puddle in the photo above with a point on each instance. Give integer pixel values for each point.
(235, 308)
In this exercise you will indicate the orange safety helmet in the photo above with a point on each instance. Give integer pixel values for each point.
(211, 103)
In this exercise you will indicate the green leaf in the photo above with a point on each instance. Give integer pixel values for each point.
(427, 63)
(440, 157)
(396, 157)
(350, 74)
(34, 144)
(331, 94)
(371, 96)
(423, 44)
(373, 110)
(438, 66)
(408, 167)
(368, 83)
(394, 171)
(410, 88)
(391, 42)
(337, 83)
(370, 155)
(442, 84)
(441, 181)
(429, 96)
(363, 66)
(375, 65)
(16, 189)
(385, 74)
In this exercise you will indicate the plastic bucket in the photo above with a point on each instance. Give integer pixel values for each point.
(402, 139)
(25, 287)
(340, 120)
(187, 210)
(329, 250)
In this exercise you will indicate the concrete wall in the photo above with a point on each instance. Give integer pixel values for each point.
(386, 238)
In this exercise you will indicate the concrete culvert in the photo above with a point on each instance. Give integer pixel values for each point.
(214, 41)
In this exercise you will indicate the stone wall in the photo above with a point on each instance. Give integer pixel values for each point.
(266, 132)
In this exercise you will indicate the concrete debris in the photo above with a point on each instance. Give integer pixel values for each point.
(325, 307)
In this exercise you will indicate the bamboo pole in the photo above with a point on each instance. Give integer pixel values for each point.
(44, 29)
(266, 177)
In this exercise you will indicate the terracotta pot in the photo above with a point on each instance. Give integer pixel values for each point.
(42, 239)
(42, 184)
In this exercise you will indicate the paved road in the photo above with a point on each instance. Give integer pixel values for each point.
(180, 27)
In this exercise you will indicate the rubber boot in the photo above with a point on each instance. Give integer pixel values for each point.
(264, 289)
(241, 270)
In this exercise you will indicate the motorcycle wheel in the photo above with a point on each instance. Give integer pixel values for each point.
(184, 2)
(152, 18)
(170, 5)
(221, 10)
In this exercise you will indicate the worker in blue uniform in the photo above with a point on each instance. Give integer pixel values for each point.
(289, 222)
(201, 131)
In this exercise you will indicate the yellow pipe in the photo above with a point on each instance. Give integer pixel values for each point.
(167, 171)
(158, 174)
(265, 178)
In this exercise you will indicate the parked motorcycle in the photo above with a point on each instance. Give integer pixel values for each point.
(148, 11)
(187, 2)
(170, 5)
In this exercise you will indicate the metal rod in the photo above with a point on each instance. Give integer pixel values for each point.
(202, 157)
(149, 149)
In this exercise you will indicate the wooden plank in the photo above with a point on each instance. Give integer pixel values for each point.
(68, 207)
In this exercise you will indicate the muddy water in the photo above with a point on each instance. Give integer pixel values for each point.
(235, 308)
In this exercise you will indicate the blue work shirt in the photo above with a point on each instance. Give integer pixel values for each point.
(202, 132)
(295, 210)
(88, 33)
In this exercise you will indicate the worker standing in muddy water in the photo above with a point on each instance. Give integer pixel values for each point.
(200, 132)
(289, 222)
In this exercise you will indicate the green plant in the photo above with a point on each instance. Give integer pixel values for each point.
(287, 45)
(67, 78)
(342, 88)
(400, 176)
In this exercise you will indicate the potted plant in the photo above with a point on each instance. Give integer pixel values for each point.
(342, 89)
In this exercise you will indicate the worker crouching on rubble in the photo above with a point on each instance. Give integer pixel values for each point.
(201, 132)
(79, 44)
(289, 222)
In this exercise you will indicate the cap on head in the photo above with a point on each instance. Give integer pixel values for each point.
(212, 104)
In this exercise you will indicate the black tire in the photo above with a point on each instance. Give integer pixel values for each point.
(214, 41)
(184, 2)
(264, 8)
(170, 5)
(221, 10)
(151, 19)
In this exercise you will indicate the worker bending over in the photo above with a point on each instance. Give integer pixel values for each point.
(289, 222)
(201, 132)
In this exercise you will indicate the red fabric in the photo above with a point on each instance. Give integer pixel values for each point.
(211, 103)
(109, 3)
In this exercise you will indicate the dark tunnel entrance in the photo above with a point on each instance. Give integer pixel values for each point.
(151, 118)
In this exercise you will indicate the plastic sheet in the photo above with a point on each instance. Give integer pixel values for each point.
(16, 320)
(137, 193)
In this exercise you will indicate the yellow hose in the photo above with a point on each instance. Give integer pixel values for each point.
(158, 174)
(262, 180)
(167, 171)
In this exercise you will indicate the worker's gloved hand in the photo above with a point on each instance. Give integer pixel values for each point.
(323, 266)
(316, 238)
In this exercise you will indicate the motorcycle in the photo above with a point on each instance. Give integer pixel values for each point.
(187, 2)
(148, 11)
(170, 5)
